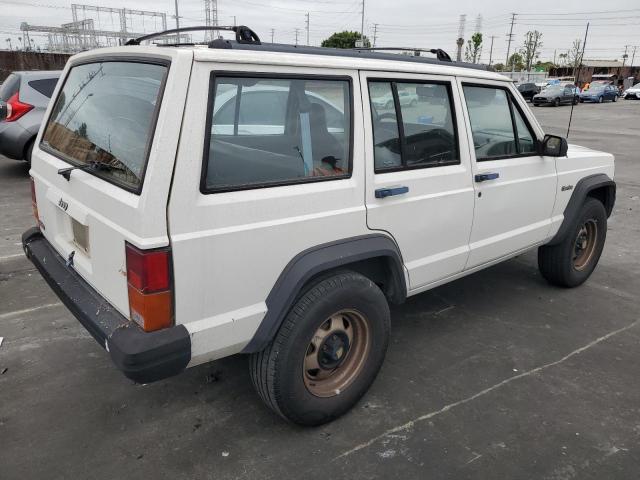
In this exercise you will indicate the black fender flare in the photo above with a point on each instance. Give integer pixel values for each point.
(315, 261)
(579, 195)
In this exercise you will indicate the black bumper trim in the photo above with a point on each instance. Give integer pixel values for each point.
(142, 357)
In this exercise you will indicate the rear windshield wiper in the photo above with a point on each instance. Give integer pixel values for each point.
(66, 172)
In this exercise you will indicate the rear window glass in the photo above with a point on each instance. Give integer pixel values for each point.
(104, 116)
(44, 86)
(273, 131)
(9, 87)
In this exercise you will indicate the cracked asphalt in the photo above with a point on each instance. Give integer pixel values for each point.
(494, 376)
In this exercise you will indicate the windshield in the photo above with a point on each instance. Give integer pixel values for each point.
(553, 89)
(105, 114)
(596, 88)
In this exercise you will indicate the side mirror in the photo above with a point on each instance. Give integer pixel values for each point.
(554, 146)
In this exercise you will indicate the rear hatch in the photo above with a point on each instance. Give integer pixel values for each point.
(116, 117)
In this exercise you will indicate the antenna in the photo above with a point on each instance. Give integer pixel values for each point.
(573, 103)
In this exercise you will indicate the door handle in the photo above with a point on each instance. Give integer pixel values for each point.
(483, 177)
(391, 191)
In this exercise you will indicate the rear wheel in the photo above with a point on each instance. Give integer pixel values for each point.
(570, 262)
(327, 352)
(615, 98)
(556, 102)
(29, 152)
(600, 100)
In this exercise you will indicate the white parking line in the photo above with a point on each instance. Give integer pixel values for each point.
(28, 310)
(8, 257)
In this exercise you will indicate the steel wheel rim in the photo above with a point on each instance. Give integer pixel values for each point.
(585, 244)
(336, 353)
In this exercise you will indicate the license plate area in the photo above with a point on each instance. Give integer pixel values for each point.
(80, 235)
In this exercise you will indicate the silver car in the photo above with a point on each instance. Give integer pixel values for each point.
(24, 97)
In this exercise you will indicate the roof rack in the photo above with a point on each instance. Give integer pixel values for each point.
(438, 52)
(243, 34)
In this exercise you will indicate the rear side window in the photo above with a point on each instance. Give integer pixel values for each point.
(9, 87)
(44, 86)
(274, 131)
(413, 125)
(105, 116)
(498, 127)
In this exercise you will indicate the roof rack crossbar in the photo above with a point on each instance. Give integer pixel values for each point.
(243, 33)
(438, 52)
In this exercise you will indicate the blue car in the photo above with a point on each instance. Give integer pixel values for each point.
(600, 93)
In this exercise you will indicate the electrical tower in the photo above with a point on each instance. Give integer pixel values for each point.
(460, 40)
(375, 34)
(210, 18)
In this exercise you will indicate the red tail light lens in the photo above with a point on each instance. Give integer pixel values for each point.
(149, 287)
(16, 108)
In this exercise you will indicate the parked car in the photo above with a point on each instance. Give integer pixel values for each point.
(557, 95)
(405, 98)
(528, 90)
(632, 92)
(175, 242)
(600, 93)
(24, 97)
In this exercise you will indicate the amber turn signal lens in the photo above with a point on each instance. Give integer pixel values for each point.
(151, 311)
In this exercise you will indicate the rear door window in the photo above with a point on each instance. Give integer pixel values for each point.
(275, 131)
(44, 86)
(105, 116)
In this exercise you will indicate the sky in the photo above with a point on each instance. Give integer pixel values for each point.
(398, 23)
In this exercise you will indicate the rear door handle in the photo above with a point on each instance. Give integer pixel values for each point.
(483, 177)
(391, 191)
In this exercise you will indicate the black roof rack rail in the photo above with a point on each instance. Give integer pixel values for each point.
(243, 34)
(438, 52)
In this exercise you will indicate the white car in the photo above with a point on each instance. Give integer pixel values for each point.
(633, 92)
(178, 232)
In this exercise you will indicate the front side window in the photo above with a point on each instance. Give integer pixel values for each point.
(496, 133)
(413, 125)
(270, 131)
(105, 116)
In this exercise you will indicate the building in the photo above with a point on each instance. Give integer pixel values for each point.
(592, 70)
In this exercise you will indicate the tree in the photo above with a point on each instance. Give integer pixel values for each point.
(499, 67)
(515, 62)
(544, 65)
(562, 58)
(345, 39)
(574, 55)
(474, 48)
(530, 50)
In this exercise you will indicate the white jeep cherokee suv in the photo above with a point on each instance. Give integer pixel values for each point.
(194, 202)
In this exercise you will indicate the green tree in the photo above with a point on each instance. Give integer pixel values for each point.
(515, 62)
(499, 67)
(474, 48)
(345, 39)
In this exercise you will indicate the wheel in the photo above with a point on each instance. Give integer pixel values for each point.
(600, 100)
(327, 351)
(576, 101)
(389, 105)
(615, 98)
(556, 102)
(28, 153)
(571, 262)
(414, 103)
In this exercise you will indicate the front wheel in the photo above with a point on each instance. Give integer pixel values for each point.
(570, 262)
(327, 351)
(615, 98)
(600, 100)
(556, 102)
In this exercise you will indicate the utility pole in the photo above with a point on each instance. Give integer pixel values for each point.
(307, 27)
(491, 49)
(177, 16)
(297, 30)
(510, 36)
(625, 55)
(272, 33)
(633, 55)
(554, 57)
(375, 34)
(460, 39)
(362, 26)
(577, 76)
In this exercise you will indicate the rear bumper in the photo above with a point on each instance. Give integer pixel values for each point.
(13, 140)
(142, 357)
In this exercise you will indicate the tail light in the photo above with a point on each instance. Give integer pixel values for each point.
(150, 287)
(16, 108)
(34, 203)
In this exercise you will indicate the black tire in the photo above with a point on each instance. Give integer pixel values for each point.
(600, 100)
(615, 99)
(278, 372)
(576, 101)
(557, 263)
(29, 152)
(556, 102)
